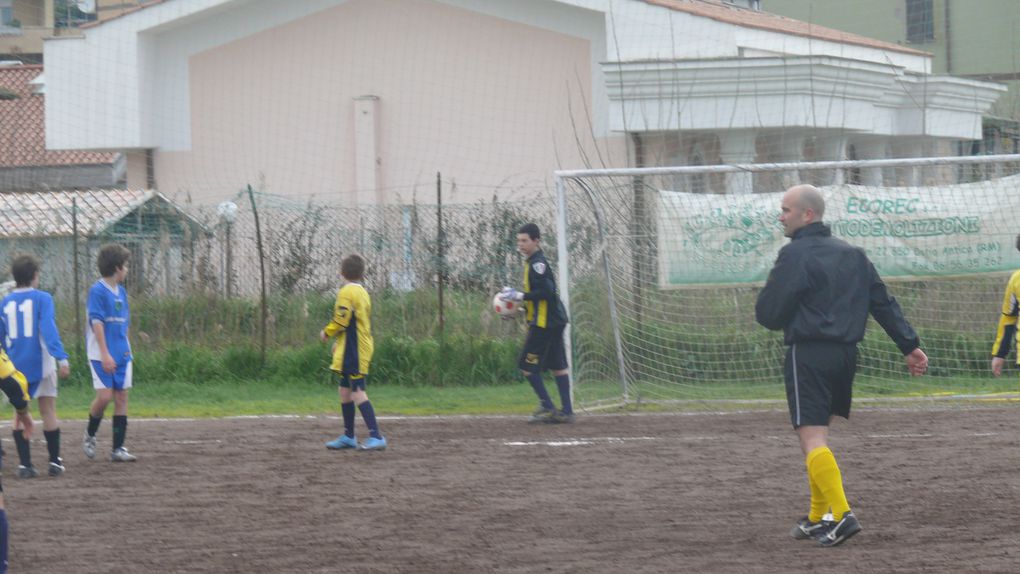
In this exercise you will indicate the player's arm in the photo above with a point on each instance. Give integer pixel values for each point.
(1007, 329)
(778, 299)
(99, 330)
(342, 313)
(889, 315)
(887, 312)
(50, 335)
(97, 314)
(543, 286)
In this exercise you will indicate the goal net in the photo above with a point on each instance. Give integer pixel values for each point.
(663, 273)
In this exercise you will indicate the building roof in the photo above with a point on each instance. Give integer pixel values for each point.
(23, 137)
(132, 10)
(714, 9)
(50, 213)
(730, 14)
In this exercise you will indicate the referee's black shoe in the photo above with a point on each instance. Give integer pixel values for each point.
(841, 531)
(807, 530)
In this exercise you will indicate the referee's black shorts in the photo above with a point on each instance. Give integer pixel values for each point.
(543, 350)
(819, 381)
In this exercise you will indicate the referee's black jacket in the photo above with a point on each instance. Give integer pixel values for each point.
(822, 289)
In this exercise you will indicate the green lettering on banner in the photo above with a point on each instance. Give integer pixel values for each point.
(714, 239)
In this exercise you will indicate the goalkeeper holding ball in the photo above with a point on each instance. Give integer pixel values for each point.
(547, 319)
(820, 293)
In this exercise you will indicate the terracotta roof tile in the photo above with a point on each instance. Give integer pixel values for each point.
(23, 129)
(717, 10)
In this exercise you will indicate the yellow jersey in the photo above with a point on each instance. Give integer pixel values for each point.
(352, 325)
(7, 369)
(1007, 333)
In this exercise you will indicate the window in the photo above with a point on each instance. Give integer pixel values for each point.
(920, 21)
(6, 12)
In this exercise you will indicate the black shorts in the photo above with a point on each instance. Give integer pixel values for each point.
(543, 350)
(819, 381)
(353, 382)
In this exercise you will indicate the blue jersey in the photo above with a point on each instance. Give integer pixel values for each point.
(110, 307)
(29, 333)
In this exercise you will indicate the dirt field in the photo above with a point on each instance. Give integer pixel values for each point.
(936, 491)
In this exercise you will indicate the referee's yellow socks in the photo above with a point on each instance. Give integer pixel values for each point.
(818, 504)
(824, 475)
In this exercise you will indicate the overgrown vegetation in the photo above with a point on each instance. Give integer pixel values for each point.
(196, 339)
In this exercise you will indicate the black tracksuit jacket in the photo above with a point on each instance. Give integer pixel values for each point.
(822, 289)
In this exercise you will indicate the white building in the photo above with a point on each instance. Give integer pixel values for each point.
(363, 101)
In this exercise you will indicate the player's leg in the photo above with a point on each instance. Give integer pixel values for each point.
(3, 534)
(359, 394)
(556, 359)
(346, 440)
(120, 453)
(530, 364)
(809, 412)
(47, 400)
(816, 372)
(51, 430)
(102, 383)
(25, 468)
(844, 359)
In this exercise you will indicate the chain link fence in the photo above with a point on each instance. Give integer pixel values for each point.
(196, 272)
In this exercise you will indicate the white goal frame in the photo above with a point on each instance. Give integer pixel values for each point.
(562, 221)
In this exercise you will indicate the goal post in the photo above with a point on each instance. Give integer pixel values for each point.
(660, 272)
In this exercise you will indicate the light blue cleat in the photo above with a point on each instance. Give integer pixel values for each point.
(341, 442)
(374, 444)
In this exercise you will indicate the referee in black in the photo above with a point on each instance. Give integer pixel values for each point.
(547, 319)
(820, 293)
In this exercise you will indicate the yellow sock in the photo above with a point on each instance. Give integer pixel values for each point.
(818, 504)
(825, 474)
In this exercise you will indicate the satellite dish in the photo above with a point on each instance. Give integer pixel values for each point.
(87, 6)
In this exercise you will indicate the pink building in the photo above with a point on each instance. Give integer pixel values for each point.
(363, 101)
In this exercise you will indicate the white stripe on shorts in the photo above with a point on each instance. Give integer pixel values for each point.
(796, 387)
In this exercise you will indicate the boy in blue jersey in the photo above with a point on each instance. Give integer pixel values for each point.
(13, 384)
(352, 326)
(28, 331)
(109, 350)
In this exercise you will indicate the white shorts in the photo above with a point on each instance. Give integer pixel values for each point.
(46, 387)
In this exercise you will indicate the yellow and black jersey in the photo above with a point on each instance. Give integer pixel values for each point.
(352, 325)
(13, 383)
(541, 299)
(1007, 333)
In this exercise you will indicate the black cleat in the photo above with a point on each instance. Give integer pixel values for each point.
(841, 531)
(27, 471)
(542, 415)
(560, 417)
(807, 530)
(56, 468)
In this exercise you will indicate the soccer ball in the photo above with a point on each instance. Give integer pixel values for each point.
(505, 308)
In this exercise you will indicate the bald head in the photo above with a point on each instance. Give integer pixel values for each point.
(802, 205)
(807, 197)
